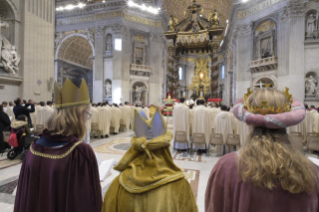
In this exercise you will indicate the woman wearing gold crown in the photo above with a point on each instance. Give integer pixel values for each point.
(60, 172)
(268, 174)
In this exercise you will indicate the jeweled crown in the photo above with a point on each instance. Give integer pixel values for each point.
(152, 128)
(70, 95)
(264, 108)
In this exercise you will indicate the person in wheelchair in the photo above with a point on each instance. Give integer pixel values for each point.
(22, 123)
(23, 134)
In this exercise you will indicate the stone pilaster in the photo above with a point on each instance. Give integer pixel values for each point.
(98, 66)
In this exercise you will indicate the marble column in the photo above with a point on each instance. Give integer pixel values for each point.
(98, 65)
(296, 51)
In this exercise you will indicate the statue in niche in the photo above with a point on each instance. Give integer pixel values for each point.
(109, 43)
(108, 89)
(214, 18)
(3, 25)
(139, 94)
(311, 25)
(311, 85)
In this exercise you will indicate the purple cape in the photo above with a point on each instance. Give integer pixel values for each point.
(66, 184)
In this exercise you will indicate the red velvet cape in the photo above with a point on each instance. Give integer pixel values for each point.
(59, 185)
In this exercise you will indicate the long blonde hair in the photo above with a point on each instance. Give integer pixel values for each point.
(69, 121)
(269, 156)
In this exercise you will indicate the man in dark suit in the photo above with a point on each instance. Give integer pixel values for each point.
(19, 109)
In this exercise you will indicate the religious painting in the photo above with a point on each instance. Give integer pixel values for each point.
(139, 56)
(139, 93)
(265, 47)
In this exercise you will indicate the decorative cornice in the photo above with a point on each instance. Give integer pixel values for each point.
(296, 8)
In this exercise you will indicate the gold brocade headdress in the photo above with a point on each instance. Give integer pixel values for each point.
(70, 95)
(264, 108)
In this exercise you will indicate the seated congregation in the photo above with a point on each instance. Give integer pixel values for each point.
(268, 172)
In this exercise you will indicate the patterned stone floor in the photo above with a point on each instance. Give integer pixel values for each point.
(196, 168)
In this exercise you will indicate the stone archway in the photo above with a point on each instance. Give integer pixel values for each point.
(74, 58)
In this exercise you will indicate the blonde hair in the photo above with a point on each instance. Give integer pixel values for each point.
(269, 156)
(69, 121)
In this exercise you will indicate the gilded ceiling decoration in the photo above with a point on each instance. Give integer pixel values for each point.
(178, 8)
(76, 50)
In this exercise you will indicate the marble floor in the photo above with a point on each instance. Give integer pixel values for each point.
(196, 169)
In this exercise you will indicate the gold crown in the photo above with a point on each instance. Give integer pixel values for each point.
(264, 108)
(70, 95)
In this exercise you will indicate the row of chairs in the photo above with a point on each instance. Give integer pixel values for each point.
(199, 139)
(310, 144)
(95, 129)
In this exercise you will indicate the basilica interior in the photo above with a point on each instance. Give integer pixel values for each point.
(145, 51)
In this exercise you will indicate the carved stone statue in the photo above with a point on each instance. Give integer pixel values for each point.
(311, 25)
(9, 56)
(214, 18)
(109, 43)
(108, 89)
(311, 86)
(138, 93)
(58, 39)
(2, 25)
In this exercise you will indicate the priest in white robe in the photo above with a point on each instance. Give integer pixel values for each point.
(105, 116)
(126, 113)
(116, 117)
(316, 122)
(33, 116)
(202, 123)
(146, 111)
(181, 122)
(214, 112)
(224, 125)
(95, 116)
(40, 117)
(47, 113)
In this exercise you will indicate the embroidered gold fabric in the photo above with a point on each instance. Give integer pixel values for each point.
(44, 155)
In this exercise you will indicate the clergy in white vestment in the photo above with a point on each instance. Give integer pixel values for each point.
(315, 126)
(47, 113)
(214, 112)
(202, 122)
(146, 111)
(181, 122)
(126, 113)
(95, 115)
(40, 117)
(116, 117)
(105, 118)
(243, 130)
(224, 125)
